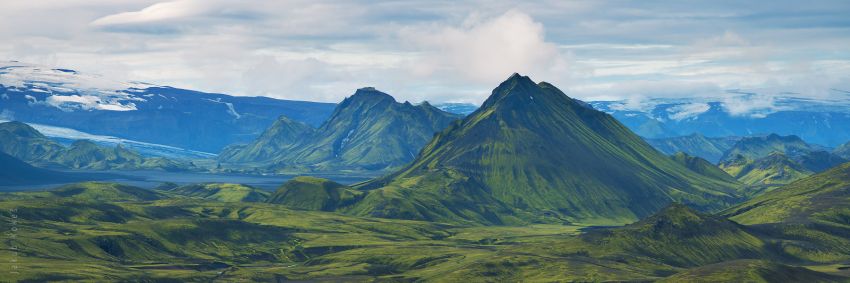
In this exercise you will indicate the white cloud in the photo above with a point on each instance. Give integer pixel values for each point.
(487, 50)
(156, 12)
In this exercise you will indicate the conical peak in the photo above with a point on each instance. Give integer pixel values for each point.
(515, 86)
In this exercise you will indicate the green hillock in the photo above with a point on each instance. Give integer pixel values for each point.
(220, 192)
(312, 193)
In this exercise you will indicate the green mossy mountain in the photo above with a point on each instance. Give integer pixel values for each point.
(530, 154)
(220, 192)
(708, 148)
(773, 170)
(311, 193)
(367, 131)
(702, 166)
(811, 216)
(26, 143)
(771, 161)
(274, 143)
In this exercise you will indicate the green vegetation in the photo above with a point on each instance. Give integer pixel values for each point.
(368, 131)
(765, 173)
(531, 154)
(768, 162)
(110, 232)
(23, 142)
(752, 271)
(219, 192)
(312, 193)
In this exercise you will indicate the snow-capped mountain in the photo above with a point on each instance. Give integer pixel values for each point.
(141, 112)
(825, 122)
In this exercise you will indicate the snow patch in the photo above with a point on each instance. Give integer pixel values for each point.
(230, 109)
(70, 90)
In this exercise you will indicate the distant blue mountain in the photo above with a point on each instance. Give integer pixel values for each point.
(457, 108)
(819, 122)
(142, 112)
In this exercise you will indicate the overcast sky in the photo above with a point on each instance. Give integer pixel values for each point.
(451, 51)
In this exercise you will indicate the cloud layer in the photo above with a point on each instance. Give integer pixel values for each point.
(451, 51)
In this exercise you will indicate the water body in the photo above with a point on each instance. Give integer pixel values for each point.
(150, 179)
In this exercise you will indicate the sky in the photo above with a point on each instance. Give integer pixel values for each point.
(443, 51)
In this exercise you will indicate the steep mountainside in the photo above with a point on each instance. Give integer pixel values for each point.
(142, 112)
(711, 149)
(531, 153)
(367, 131)
(276, 142)
(24, 142)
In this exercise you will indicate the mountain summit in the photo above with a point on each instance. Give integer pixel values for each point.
(531, 153)
(367, 131)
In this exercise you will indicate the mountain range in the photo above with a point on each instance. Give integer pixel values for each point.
(816, 121)
(27, 144)
(188, 119)
(367, 131)
(532, 154)
(773, 160)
